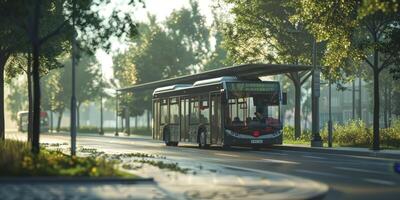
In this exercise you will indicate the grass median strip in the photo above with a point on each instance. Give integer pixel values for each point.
(17, 160)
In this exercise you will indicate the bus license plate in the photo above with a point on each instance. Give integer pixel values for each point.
(256, 141)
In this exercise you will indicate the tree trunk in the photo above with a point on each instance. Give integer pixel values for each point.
(3, 60)
(30, 103)
(36, 78)
(297, 110)
(60, 114)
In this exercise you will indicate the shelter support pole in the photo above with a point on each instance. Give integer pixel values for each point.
(315, 93)
(330, 131)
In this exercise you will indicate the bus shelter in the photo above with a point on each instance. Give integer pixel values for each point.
(297, 73)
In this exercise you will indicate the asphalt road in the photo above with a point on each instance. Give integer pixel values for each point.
(348, 176)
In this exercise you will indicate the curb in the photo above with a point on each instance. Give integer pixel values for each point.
(74, 180)
(338, 151)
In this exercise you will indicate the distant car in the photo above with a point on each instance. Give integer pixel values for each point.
(23, 121)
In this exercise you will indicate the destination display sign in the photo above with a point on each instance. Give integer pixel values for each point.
(253, 87)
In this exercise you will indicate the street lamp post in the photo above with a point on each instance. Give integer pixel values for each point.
(73, 98)
(315, 93)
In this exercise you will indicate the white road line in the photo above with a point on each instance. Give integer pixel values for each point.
(315, 157)
(224, 154)
(279, 161)
(317, 173)
(359, 170)
(382, 182)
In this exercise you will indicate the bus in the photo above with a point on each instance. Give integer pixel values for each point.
(224, 111)
(23, 121)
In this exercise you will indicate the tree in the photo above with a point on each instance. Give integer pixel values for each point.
(12, 40)
(219, 55)
(151, 56)
(262, 32)
(87, 80)
(358, 30)
(20, 63)
(54, 16)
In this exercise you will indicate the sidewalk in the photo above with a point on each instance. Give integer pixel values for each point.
(357, 151)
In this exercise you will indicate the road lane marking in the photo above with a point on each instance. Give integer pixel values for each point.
(224, 154)
(382, 182)
(359, 170)
(317, 173)
(315, 157)
(279, 161)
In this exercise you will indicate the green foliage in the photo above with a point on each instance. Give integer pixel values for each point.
(353, 30)
(354, 134)
(56, 85)
(16, 160)
(261, 32)
(288, 136)
(160, 52)
(219, 56)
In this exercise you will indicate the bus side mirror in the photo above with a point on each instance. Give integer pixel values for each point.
(284, 98)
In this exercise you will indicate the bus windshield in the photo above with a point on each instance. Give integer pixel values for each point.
(253, 111)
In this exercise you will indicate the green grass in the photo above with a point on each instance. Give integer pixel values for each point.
(352, 134)
(16, 160)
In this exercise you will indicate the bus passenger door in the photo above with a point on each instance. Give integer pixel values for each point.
(216, 132)
(184, 119)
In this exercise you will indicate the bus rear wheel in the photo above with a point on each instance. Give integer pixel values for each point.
(203, 139)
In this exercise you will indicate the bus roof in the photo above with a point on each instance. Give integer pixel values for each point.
(206, 82)
(246, 71)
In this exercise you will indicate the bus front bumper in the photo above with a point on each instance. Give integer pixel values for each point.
(236, 139)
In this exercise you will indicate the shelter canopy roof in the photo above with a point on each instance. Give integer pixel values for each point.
(245, 71)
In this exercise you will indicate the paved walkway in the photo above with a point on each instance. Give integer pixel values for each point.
(204, 180)
(81, 191)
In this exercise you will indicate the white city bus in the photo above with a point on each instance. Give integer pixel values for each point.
(223, 111)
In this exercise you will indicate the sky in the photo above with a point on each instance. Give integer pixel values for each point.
(161, 9)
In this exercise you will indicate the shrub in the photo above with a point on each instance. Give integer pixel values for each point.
(391, 136)
(354, 133)
(16, 160)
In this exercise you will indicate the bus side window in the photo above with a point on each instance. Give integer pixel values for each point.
(194, 111)
(204, 111)
(164, 112)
